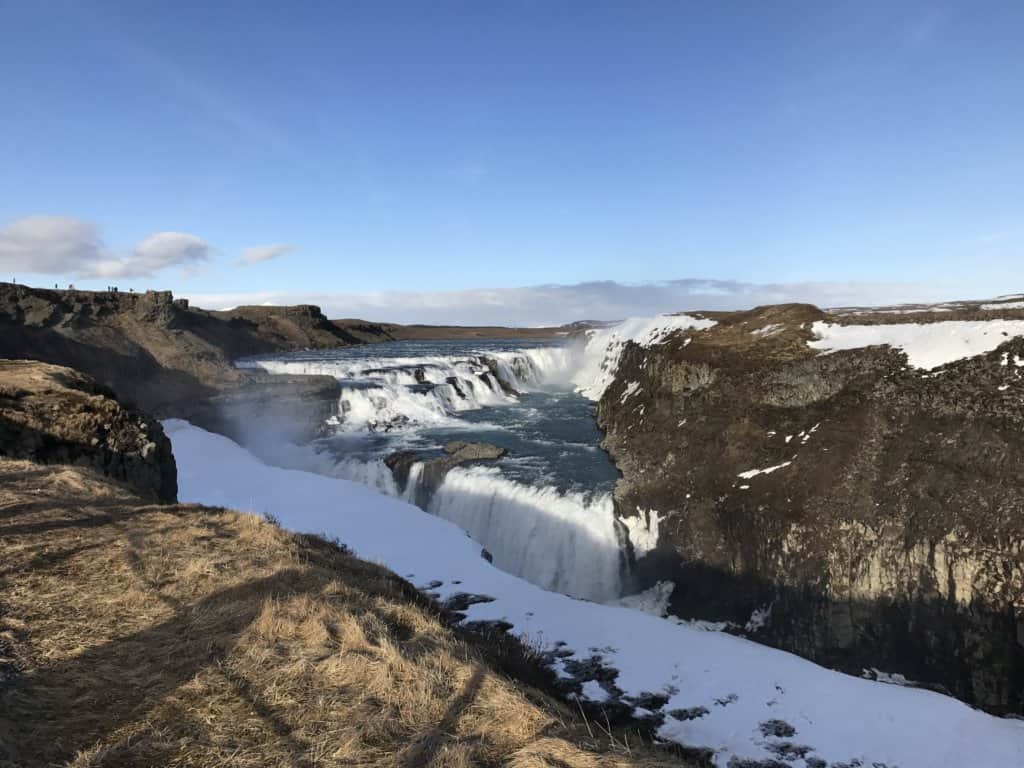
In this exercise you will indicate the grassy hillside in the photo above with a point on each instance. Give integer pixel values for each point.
(142, 634)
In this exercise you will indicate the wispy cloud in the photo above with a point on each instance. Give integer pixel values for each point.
(154, 254)
(257, 253)
(64, 245)
(558, 304)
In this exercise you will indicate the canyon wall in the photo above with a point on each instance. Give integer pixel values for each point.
(848, 507)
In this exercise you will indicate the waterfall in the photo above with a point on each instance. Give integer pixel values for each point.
(386, 394)
(565, 542)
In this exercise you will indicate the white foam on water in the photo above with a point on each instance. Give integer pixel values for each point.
(400, 393)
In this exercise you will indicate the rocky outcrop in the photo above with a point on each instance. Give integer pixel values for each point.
(172, 359)
(302, 326)
(54, 415)
(435, 468)
(372, 332)
(846, 507)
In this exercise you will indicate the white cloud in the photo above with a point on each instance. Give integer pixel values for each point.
(157, 252)
(49, 245)
(257, 253)
(63, 245)
(558, 304)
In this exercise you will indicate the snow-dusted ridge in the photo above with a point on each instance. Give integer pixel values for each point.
(740, 699)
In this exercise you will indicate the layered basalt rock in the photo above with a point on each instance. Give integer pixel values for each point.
(846, 507)
(54, 415)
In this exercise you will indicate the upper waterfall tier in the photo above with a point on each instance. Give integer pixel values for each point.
(382, 393)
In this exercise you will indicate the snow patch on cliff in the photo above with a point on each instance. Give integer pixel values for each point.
(766, 471)
(927, 345)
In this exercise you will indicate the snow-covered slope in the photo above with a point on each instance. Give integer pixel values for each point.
(740, 699)
(927, 345)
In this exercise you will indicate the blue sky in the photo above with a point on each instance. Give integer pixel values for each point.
(388, 149)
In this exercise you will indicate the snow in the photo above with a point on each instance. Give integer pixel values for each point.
(758, 618)
(653, 600)
(766, 471)
(886, 677)
(592, 690)
(643, 531)
(768, 330)
(600, 357)
(927, 345)
(741, 684)
(1004, 305)
(631, 390)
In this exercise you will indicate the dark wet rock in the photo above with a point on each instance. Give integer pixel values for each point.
(435, 468)
(789, 751)
(486, 555)
(778, 728)
(54, 415)
(460, 601)
(741, 762)
(492, 366)
(690, 713)
(890, 534)
(465, 451)
(648, 700)
(490, 626)
(453, 382)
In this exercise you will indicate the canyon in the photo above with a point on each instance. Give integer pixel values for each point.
(845, 485)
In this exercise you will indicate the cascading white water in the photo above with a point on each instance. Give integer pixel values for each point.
(564, 542)
(407, 392)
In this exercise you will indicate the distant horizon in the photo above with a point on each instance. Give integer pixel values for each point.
(464, 156)
(609, 302)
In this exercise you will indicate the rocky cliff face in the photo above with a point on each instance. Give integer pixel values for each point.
(172, 359)
(847, 507)
(303, 326)
(54, 415)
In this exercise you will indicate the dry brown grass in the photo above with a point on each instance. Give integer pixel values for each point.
(134, 634)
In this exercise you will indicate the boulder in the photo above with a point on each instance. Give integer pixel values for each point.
(436, 467)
